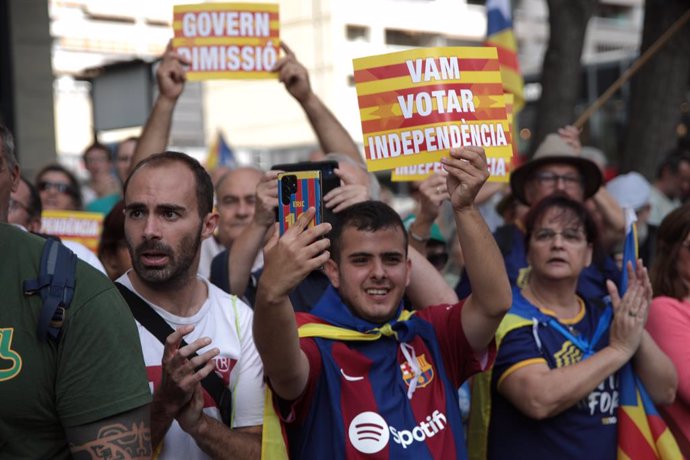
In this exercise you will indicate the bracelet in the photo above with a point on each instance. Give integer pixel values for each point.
(416, 237)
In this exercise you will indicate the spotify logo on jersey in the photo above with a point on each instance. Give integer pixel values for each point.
(369, 432)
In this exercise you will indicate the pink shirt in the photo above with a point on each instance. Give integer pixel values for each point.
(669, 325)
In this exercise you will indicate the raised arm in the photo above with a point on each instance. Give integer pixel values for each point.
(333, 137)
(427, 286)
(248, 243)
(491, 297)
(127, 436)
(432, 192)
(171, 77)
(287, 262)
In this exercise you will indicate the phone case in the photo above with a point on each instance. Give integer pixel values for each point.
(297, 192)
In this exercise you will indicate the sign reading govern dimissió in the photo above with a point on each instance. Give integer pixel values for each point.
(416, 105)
(228, 40)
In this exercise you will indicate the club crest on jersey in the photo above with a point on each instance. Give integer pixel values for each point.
(427, 372)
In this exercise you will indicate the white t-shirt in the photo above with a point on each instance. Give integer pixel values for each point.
(228, 322)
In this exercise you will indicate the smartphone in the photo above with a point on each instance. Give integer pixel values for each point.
(297, 192)
(329, 180)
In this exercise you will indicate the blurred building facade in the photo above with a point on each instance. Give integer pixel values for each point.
(258, 118)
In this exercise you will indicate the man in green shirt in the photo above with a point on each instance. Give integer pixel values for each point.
(85, 395)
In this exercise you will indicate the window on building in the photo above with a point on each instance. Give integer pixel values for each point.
(357, 33)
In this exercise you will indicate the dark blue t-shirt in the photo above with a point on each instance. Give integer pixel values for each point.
(585, 431)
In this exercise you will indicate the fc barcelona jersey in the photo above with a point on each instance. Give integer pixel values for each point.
(356, 403)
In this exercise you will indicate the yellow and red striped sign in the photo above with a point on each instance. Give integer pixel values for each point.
(499, 170)
(415, 105)
(227, 40)
(81, 227)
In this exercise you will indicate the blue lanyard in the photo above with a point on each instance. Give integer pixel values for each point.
(586, 346)
(522, 307)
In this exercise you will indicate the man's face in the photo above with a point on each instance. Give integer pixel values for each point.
(372, 273)
(684, 179)
(555, 177)
(9, 179)
(53, 188)
(19, 209)
(125, 151)
(162, 224)
(236, 199)
(97, 162)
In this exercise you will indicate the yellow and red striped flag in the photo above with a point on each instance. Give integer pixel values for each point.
(499, 34)
(642, 433)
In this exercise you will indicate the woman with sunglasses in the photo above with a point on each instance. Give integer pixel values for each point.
(58, 189)
(554, 389)
(669, 317)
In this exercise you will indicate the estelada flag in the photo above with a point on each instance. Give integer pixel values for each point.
(642, 433)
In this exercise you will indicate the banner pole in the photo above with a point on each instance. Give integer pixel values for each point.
(642, 60)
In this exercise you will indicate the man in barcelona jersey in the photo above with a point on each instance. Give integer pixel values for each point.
(359, 376)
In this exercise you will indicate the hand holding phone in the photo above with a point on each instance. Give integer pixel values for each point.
(297, 192)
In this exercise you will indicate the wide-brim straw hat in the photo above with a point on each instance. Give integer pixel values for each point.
(556, 150)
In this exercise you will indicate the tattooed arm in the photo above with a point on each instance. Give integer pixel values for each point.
(125, 436)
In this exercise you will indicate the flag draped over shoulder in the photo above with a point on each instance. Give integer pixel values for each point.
(499, 34)
(220, 154)
(642, 433)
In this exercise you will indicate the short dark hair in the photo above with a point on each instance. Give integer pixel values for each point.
(34, 207)
(7, 146)
(669, 240)
(97, 146)
(204, 186)
(568, 206)
(671, 162)
(113, 233)
(368, 216)
(74, 190)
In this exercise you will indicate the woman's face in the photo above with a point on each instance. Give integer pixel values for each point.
(558, 248)
(683, 260)
(53, 188)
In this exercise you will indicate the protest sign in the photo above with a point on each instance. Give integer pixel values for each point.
(415, 105)
(227, 40)
(82, 227)
(499, 170)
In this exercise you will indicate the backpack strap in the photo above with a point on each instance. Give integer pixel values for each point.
(160, 329)
(55, 283)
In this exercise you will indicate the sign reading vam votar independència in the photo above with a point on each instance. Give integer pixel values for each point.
(416, 105)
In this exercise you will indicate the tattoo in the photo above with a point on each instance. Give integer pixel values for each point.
(125, 436)
(117, 442)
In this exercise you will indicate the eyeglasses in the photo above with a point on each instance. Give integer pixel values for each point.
(16, 205)
(569, 235)
(57, 186)
(551, 179)
(439, 260)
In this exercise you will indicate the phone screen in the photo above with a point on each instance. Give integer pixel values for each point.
(297, 192)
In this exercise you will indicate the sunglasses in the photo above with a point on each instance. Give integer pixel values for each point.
(58, 186)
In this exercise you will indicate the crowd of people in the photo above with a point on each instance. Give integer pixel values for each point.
(209, 335)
